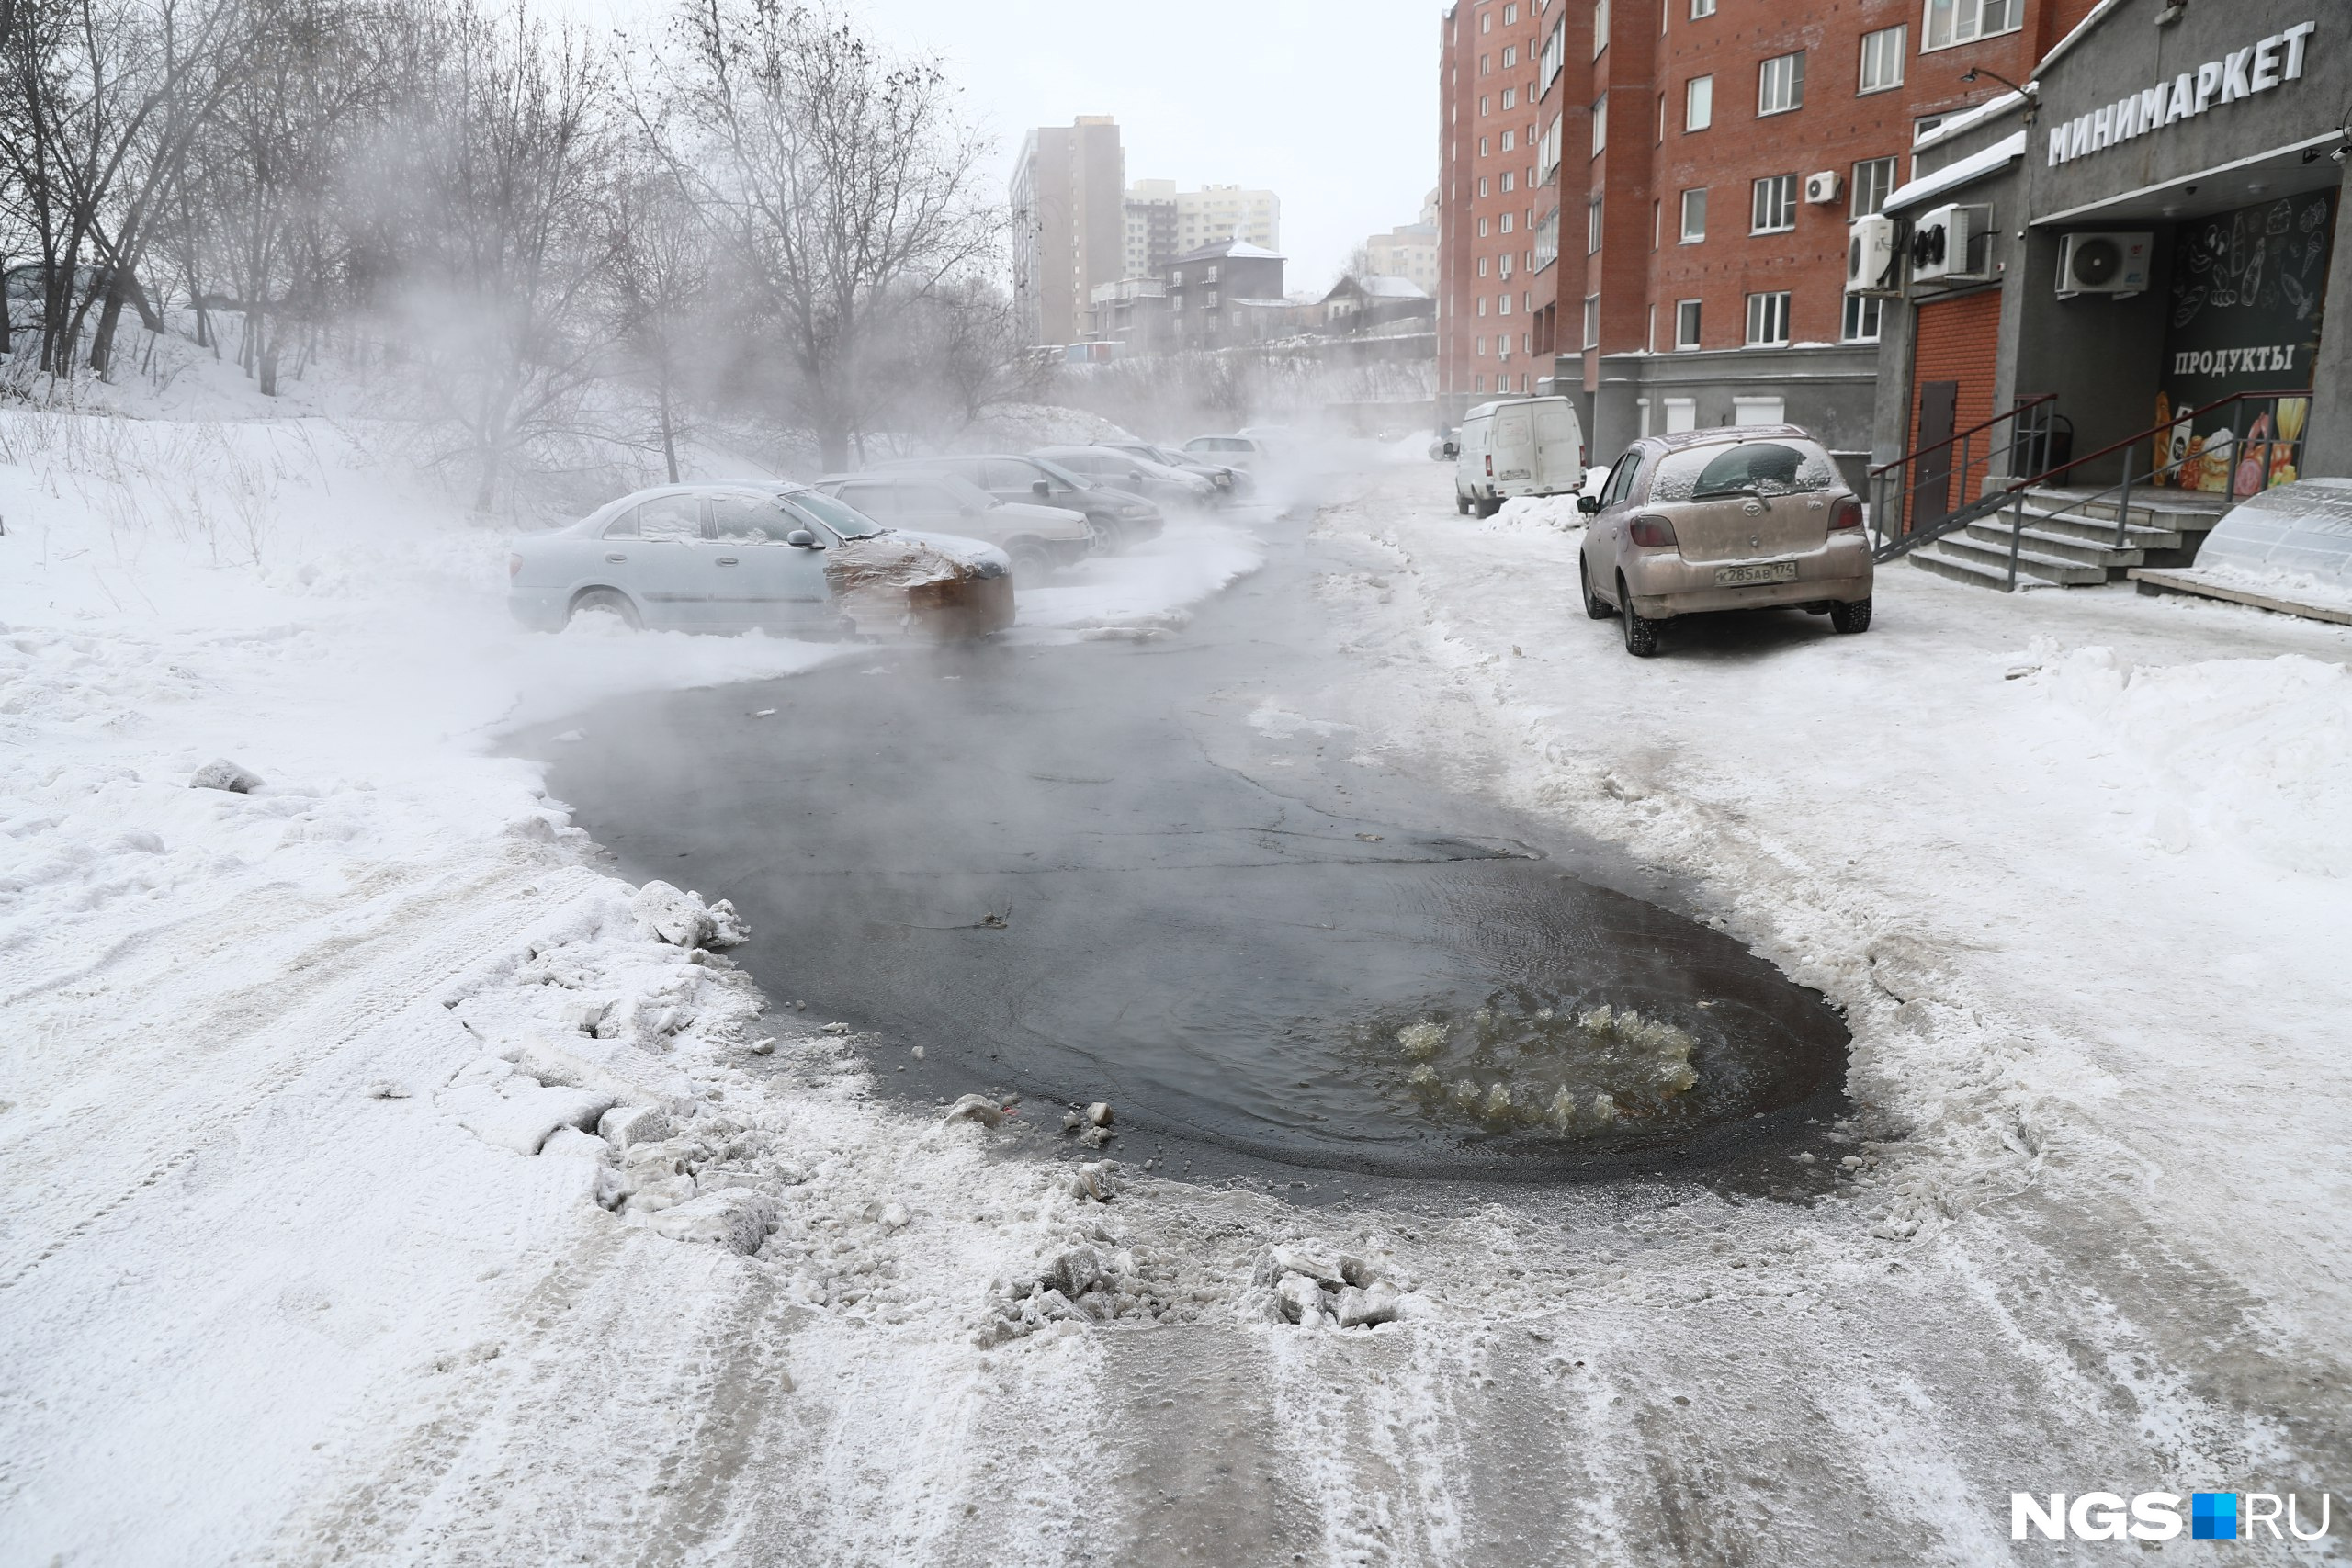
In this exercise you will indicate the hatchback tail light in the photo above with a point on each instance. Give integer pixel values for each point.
(514, 566)
(1846, 513)
(1651, 531)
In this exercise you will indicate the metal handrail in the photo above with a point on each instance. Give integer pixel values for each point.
(1967, 511)
(2023, 405)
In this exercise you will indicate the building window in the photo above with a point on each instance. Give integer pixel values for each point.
(1694, 216)
(1686, 324)
(1502, 304)
(1599, 127)
(1958, 21)
(1592, 226)
(1861, 317)
(1873, 180)
(1780, 84)
(1510, 58)
(1547, 157)
(1776, 205)
(1482, 104)
(1482, 345)
(1482, 228)
(1502, 264)
(1657, 222)
(1555, 53)
(1767, 319)
(1482, 304)
(1483, 147)
(1511, 14)
(1478, 382)
(1547, 240)
(1509, 140)
(1482, 186)
(1698, 103)
(1510, 177)
(1600, 28)
(1482, 266)
(1592, 321)
(1502, 224)
(1487, 23)
(1510, 97)
(1882, 58)
(1702, 8)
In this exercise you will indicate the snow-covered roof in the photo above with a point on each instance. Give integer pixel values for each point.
(1975, 166)
(1244, 248)
(1969, 119)
(1393, 288)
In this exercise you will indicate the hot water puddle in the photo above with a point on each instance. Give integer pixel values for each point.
(1026, 860)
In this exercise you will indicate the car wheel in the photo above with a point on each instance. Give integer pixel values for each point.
(605, 601)
(1641, 632)
(1853, 617)
(1030, 559)
(1595, 605)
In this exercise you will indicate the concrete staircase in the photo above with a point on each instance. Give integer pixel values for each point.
(2068, 539)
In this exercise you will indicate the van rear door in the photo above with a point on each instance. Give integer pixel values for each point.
(1559, 446)
(1514, 438)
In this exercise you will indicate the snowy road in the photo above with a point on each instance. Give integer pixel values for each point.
(2073, 865)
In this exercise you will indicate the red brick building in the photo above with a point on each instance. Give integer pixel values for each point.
(1710, 156)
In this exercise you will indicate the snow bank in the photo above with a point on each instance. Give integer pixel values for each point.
(1535, 514)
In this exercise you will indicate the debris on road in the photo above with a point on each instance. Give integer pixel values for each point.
(976, 1108)
(224, 774)
(681, 918)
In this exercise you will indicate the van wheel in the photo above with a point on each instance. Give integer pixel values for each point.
(1594, 604)
(1490, 505)
(1853, 617)
(1641, 632)
(605, 601)
(1462, 503)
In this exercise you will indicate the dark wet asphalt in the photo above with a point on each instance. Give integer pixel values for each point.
(1079, 873)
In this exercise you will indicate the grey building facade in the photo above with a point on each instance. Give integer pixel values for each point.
(1068, 203)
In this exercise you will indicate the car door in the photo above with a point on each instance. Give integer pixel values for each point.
(660, 569)
(934, 508)
(762, 580)
(1605, 534)
(1008, 478)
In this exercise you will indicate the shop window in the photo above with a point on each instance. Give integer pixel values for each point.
(1767, 319)
(1961, 21)
(1776, 205)
(1780, 84)
(1698, 103)
(1686, 328)
(1694, 216)
(1882, 58)
(1873, 180)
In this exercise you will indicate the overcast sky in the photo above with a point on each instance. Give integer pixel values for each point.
(1332, 106)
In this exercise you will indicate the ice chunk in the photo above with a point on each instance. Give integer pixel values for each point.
(1362, 1308)
(621, 1072)
(682, 919)
(976, 1108)
(1302, 1298)
(1421, 1041)
(734, 1217)
(571, 1143)
(222, 773)
(627, 1126)
(1303, 1257)
(517, 1114)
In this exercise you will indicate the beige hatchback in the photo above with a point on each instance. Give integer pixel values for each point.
(1732, 518)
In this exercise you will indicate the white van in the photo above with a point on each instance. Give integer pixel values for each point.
(1518, 447)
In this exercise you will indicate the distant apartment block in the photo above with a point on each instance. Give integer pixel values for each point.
(1163, 222)
(1408, 251)
(1068, 199)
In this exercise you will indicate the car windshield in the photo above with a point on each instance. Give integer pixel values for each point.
(836, 514)
(1752, 468)
(1063, 475)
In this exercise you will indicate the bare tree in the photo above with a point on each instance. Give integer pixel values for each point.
(838, 182)
(661, 293)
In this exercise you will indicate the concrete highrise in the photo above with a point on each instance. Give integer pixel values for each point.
(1069, 198)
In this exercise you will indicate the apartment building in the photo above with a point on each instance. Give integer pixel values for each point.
(1163, 223)
(1408, 251)
(1698, 165)
(1069, 204)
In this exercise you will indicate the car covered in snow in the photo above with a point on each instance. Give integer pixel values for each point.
(1233, 451)
(1036, 538)
(1735, 517)
(1229, 481)
(1119, 519)
(1154, 481)
(766, 557)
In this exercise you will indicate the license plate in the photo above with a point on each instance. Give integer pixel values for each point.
(1769, 572)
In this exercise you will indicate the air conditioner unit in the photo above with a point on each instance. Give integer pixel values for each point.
(2104, 263)
(1952, 244)
(1872, 266)
(1822, 188)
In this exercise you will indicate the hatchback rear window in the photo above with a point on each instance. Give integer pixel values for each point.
(1751, 468)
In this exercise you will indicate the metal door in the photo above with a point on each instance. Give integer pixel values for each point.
(1932, 486)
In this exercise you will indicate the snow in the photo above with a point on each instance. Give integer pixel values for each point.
(2072, 864)
(1954, 175)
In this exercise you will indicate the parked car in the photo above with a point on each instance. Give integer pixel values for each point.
(1233, 451)
(1445, 447)
(1517, 446)
(1229, 481)
(1153, 480)
(1731, 518)
(1038, 539)
(778, 558)
(1119, 519)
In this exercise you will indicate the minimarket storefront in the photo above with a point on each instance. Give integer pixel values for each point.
(2158, 226)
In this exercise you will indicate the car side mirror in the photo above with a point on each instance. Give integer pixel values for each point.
(1042, 491)
(801, 539)
(1587, 503)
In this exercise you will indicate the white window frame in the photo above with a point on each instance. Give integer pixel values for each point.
(1509, 140)
(1694, 236)
(1765, 311)
(1775, 196)
(1780, 84)
(1948, 23)
(1862, 318)
(1547, 240)
(1592, 321)
(1511, 55)
(1601, 125)
(1547, 157)
(1592, 222)
(1701, 9)
(1883, 57)
(1599, 27)
(1698, 103)
(1869, 192)
(1511, 98)
(1555, 53)
(1692, 313)
(1502, 224)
